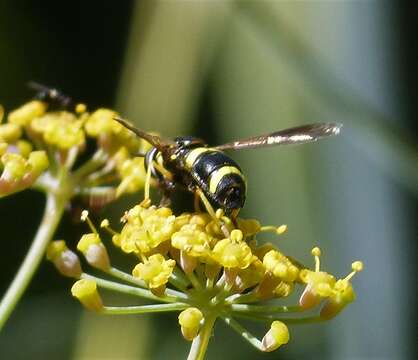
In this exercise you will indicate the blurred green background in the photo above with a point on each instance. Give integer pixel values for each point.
(224, 70)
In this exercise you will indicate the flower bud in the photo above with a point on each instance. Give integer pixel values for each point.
(190, 322)
(94, 251)
(85, 290)
(66, 261)
(277, 335)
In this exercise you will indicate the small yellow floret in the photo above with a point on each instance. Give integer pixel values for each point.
(38, 161)
(27, 112)
(101, 122)
(10, 132)
(146, 228)
(193, 240)
(155, 271)
(15, 166)
(232, 254)
(132, 173)
(280, 266)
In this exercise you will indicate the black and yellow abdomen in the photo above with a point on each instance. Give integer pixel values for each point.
(217, 175)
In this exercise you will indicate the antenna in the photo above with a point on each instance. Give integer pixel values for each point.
(152, 139)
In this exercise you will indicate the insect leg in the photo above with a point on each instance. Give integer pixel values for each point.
(211, 211)
(147, 184)
(196, 202)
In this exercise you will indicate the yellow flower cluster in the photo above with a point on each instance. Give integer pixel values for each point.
(34, 141)
(195, 243)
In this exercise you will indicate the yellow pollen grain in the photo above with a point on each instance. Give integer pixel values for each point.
(84, 215)
(316, 251)
(104, 223)
(357, 266)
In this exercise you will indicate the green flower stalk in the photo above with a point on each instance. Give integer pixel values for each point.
(42, 150)
(205, 266)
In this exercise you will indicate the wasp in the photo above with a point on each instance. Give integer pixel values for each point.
(207, 171)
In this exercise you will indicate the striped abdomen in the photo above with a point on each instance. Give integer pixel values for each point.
(217, 175)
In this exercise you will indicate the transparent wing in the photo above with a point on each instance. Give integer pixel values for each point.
(297, 135)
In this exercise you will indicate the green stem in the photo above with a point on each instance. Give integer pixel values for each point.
(243, 332)
(54, 209)
(200, 342)
(99, 159)
(126, 277)
(242, 298)
(126, 310)
(265, 308)
(194, 280)
(271, 318)
(135, 291)
(130, 279)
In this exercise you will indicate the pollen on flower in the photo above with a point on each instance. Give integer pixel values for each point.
(232, 254)
(146, 228)
(155, 271)
(280, 266)
(60, 129)
(102, 121)
(193, 240)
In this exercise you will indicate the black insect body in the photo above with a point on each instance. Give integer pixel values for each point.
(207, 171)
(210, 170)
(54, 97)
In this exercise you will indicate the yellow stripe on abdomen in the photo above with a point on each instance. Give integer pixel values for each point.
(218, 174)
(193, 155)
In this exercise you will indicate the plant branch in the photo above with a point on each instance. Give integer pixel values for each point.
(54, 209)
